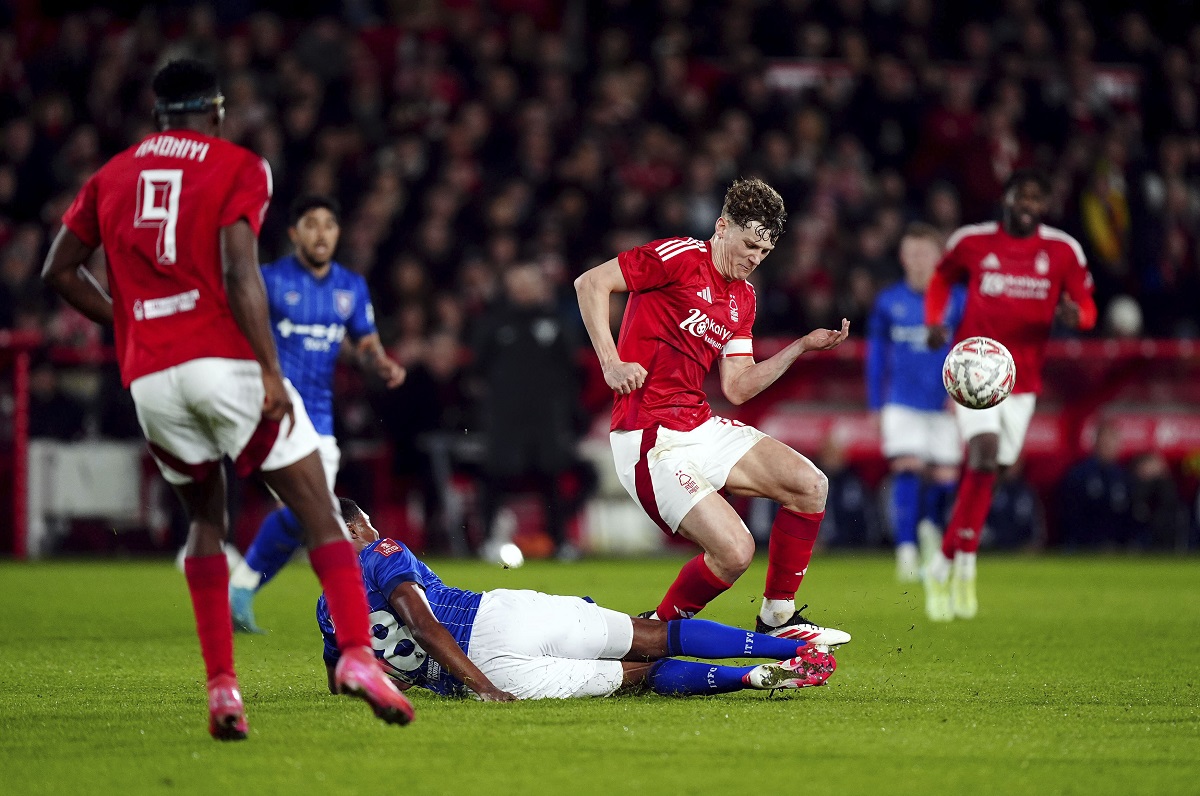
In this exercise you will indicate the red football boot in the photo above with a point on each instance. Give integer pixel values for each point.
(226, 713)
(358, 674)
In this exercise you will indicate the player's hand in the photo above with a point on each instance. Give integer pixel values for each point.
(825, 339)
(1068, 311)
(277, 404)
(624, 377)
(494, 694)
(936, 336)
(392, 372)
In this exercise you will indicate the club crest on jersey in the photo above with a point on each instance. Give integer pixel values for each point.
(1041, 263)
(733, 310)
(387, 547)
(343, 303)
(292, 298)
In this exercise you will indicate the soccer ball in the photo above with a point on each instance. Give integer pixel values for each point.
(979, 372)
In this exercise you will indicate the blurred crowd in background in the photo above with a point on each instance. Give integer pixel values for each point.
(464, 137)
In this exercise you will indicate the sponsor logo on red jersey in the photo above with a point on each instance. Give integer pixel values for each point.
(1014, 286)
(698, 324)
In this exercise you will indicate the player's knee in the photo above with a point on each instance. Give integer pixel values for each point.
(808, 491)
(983, 453)
(740, 554)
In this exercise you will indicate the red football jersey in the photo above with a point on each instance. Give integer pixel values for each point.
(681, 314)
(157, 209)
(1013, 288)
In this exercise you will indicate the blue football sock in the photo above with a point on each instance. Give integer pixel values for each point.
(700, 638)
(935, 498)
(906, 497)
(671, 677)
(280, 536)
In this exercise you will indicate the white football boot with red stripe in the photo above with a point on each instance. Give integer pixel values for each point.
(809, 632)
(807, 669)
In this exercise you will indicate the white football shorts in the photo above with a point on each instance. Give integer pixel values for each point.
(195, 413)
(930, 436)
(543, 646)
(331, 457)
(668, 472)
(1010, 419)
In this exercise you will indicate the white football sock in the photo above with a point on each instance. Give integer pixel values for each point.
(939, 567)
(964, 565)
(776, 612)
(243, 577)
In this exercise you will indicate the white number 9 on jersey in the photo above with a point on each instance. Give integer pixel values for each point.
(158, 206)
(399, 649)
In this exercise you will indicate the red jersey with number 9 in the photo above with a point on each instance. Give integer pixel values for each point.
(157, 210)
(682, 314)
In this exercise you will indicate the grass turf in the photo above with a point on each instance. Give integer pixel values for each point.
(1078, 676)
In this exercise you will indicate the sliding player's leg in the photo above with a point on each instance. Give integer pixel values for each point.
(772, 470)
(673, 677)
(303, 488)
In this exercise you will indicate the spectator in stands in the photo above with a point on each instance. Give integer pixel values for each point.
(530, 410)
(1159, 517)
(1017, 518)
(852, 516)
(1095, 494)
(53, 414)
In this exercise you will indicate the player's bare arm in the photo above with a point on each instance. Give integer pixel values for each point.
(372, 358)
(67, 276)
(742, 378)
(248, 303)
(433, 637)
(594, 288)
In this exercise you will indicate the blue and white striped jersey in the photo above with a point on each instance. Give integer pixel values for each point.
(385, 565)
(310, 318)
(900, 367)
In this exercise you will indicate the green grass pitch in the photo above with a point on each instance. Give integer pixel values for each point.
(1078, 676)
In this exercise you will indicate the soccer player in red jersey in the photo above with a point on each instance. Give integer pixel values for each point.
(691, 304)
(1020, 275)
(178, 216)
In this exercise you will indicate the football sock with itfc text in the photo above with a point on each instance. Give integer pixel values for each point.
(208, 583)
(970, 512)
(695, 587)
(793, 535)
(336, 565)
(278, 538)
(699, 638)
(906, 499)
(671, 677)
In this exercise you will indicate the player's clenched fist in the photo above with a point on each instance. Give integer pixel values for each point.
(277, 404)
(825, 339)
(624, 377)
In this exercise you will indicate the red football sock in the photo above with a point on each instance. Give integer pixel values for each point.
(208, 582)
(970, 512)
(695, 587)
(792, 538)
(336, 565)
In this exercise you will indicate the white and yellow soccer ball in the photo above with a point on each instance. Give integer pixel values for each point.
(979, 372)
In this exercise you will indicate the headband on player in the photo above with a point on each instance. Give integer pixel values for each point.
(196, 105)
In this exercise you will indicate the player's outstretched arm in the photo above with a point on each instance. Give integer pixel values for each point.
(593, 289)
(372, 358)
(64, 273)
(248, 302)
(409, 602)
(742, 378)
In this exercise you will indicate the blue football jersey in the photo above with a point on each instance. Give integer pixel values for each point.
(311, 317)
(385, 565)
(901, 369)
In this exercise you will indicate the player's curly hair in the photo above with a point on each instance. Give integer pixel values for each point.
(185, 79)
(1022, 176)
(749, 200)
(351, 511)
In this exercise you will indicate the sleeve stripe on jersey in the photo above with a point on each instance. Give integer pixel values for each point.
(270, 178)
(674, 244)
(738, 347)
(696, 245)
(986, 228)
(1053, 233)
